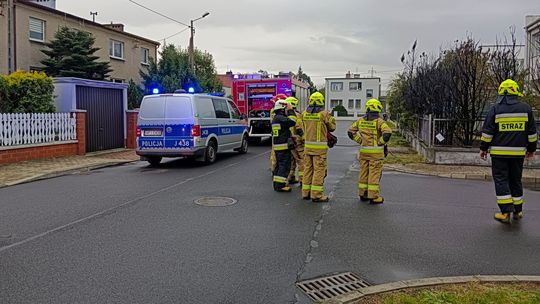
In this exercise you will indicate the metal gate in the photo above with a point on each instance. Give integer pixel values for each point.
(104, 117)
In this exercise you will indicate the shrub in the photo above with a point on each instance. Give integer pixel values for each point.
(135, 95)
(341, 111)
(27, 92)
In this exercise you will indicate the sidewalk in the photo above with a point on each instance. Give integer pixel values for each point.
(46, 168)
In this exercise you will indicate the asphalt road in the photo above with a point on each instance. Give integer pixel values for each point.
(132, 234)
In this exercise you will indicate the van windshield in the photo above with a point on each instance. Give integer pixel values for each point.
(168, 107)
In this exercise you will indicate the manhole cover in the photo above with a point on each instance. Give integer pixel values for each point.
(325, 288)
(215, 201)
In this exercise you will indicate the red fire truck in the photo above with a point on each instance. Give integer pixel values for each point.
(252, 94)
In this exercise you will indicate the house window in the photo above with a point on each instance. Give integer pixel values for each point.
(336, 86)
(358, 104)
(369, 93)
(37, 29)
(117, 80)
(355, 86)
(351, 103)
(145, 54)
(116, 49)
(336, 102)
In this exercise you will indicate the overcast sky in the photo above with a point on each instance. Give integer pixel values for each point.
(327, 38)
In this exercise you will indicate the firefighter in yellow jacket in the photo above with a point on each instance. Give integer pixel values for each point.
(317, 124)
(372, 133)
(298, 151)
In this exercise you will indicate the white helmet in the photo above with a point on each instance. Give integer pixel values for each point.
(280, 105)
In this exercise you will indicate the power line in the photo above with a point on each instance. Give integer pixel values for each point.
(156, 12)
(174, 34)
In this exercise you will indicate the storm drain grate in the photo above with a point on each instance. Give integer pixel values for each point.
(325, 288)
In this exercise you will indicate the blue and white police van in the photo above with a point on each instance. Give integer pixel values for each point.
(189, 125)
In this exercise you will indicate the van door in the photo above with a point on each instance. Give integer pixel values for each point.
(151, 122)
(238, 125)
(178, 122)
(205, 116)
(223, 115)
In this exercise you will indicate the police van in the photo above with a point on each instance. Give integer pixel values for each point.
(189, 125)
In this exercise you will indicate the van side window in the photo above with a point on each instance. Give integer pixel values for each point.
(220, 106)
(205, 108)
(235, 113)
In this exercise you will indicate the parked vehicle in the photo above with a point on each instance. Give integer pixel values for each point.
(189, 125)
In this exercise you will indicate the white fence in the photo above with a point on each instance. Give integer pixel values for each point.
(36, 128)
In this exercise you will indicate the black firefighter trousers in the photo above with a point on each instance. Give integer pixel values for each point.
(507, 174)
(283, 168)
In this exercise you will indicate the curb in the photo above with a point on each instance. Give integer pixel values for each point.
(65, 172)
(471, 176)
(418, 283)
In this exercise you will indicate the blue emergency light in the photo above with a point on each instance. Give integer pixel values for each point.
(155, 91)
(191, 90)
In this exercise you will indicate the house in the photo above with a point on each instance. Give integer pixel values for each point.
(532, 46)
(351, 92)
(25, 27)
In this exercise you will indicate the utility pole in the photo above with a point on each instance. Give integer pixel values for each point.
(191, 49)
(191, 46)
(94, 14)
(372, 71)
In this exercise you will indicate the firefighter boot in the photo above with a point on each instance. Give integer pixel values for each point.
(284, 189)
(377, 201)
(502, 217)
(363, 197)
(322, 199)
(518, 215)
(293, 181)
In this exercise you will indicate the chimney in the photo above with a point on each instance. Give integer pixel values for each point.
(348, 75)
(115, 26)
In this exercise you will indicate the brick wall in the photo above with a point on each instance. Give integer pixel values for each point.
(37, 152)
(131, 140)
(49, 150)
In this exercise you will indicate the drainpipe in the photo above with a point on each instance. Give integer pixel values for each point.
(10, 36)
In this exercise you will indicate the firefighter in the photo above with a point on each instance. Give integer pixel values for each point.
(282, 143)
(272, 155)
(318, 123)
(372, 133)
(298, 152)
(509, 134)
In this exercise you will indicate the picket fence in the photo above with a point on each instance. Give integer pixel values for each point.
(36, 128)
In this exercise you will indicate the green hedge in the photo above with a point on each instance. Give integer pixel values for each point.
(26, 92)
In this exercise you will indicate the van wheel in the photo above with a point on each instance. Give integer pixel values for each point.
(154, 160)
(244, 147)
(210, 154)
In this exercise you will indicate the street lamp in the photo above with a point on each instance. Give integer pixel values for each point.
(191, 47)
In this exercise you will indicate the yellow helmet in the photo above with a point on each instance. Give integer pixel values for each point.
(509, 87)
(316, 99)
(373, 105)
(292, 101)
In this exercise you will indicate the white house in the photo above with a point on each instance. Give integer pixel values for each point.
(351, 91)
(532, 47)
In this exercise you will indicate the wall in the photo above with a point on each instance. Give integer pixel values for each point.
(532, 28)
(29, 52)
(346, 94)
(4, 40)
(455, 156)
(48, 150)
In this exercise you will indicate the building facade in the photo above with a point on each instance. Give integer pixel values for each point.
(351, 92)
(25, 27)
(532, 46)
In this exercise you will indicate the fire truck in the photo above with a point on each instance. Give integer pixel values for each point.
(252, 94)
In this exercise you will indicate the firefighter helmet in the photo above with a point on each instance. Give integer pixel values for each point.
(373, 105)
(281, 104)
(509, 87)
(279, 97)
(292, 101)
(316, 99)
